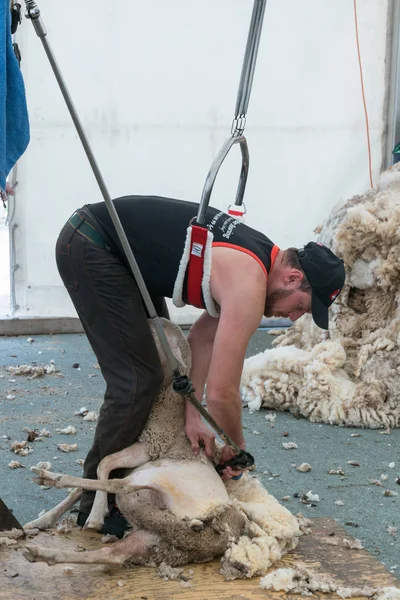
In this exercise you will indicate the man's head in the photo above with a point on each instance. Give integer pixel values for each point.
(305, 280)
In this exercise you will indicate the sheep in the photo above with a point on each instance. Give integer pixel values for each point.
(179, 508)
(350, 378)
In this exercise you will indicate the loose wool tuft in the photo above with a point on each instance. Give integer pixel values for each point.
(301, 580)
(350, 377)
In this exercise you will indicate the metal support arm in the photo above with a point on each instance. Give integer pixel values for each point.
(239, 121)
(213, 172)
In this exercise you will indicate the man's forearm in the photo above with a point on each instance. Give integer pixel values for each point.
(227, 412)
(201, 346)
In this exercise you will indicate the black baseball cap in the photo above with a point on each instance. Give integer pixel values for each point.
(325, 273)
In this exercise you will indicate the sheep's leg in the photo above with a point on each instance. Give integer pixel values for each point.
(112, 486)
(137, 544)
(50, 518)
(129, 458)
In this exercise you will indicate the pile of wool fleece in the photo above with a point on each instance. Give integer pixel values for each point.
(301, 580)
(271, 530)
(352, 376)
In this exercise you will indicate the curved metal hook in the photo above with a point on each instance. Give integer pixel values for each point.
(213, 172)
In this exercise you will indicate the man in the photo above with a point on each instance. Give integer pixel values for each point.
(249, 277)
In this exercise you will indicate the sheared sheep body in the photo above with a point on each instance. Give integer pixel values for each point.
(178, 506)
(352, 378)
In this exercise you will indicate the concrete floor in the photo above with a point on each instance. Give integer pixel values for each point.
(51, 401)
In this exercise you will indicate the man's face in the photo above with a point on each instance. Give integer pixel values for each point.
(291, 304)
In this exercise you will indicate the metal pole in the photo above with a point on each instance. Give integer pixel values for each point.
(239, 121)
(249, 61)
(33, 13)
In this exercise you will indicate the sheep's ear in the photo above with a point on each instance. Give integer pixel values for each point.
(173, 337)
(176, 340)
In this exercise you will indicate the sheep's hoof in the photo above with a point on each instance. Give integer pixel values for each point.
(45, 477)
(94, 525)
(31, 553)
(37, 554)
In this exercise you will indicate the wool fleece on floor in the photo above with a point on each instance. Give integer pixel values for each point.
(351, 376)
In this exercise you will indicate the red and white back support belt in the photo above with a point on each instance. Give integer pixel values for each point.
(196, 260)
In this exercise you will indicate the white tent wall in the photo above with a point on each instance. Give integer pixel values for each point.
(155, 85)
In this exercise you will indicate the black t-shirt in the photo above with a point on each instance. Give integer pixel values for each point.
(156, 229)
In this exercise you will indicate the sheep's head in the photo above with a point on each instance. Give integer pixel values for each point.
(178, 344)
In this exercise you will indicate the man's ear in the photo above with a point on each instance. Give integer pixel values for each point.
(293, 278)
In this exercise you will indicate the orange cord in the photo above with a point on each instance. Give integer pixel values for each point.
(363, 96)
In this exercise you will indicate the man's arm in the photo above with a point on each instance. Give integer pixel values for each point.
(219, 345)
(201, 339)
(239, 287)
(224, 403)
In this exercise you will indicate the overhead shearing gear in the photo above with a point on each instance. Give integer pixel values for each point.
(182, 384)
(196, 258)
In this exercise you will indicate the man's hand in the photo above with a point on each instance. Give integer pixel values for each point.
(228, 454)
(200, 435)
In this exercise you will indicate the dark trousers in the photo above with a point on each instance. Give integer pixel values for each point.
(114, 318)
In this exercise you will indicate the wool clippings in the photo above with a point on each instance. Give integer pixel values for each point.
(81, 412)
(376, 482)
(68, 569)
(353, 544)
(67, 447)
(289, 445)
(21, 448)
(32, 371)
(90, 416)
(70, 430)
(301, 580)
(310, 497)
(14, 464)
(304, 468)
(305, 524)
(43, 464)
(338, 471)
(271, 418)
(67, 524)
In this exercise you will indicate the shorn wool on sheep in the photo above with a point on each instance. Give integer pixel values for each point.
(351, 378)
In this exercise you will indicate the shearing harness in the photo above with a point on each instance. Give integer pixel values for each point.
(197, 252)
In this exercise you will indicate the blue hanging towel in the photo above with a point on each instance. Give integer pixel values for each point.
(14, 122)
